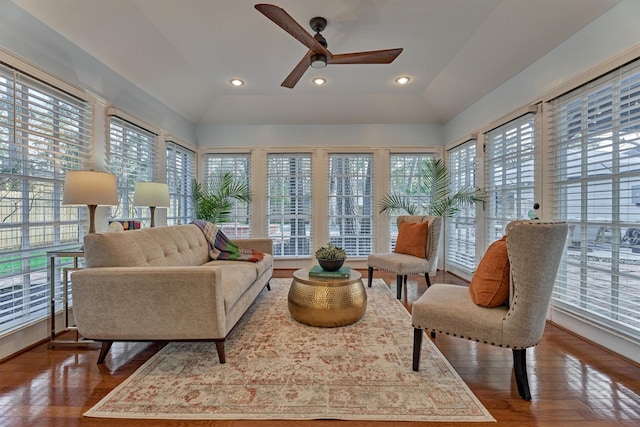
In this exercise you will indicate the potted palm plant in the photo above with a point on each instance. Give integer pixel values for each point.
(213, 200)
(434, 184)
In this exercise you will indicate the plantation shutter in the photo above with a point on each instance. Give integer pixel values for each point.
(461, 228)
(181, 171)
(289, 204)
(238, 164)
(594, 133)
(510, 174)
(132, 157)
(44, 132)
(350, 204)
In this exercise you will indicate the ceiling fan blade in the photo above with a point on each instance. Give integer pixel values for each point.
(287, 23)
(296, 74)
(372, 57)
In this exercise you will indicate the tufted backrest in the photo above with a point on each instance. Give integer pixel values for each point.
(178, 245)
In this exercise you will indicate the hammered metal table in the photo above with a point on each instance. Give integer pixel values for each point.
(327, 302)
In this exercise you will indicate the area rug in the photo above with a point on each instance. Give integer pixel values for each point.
(280, 369)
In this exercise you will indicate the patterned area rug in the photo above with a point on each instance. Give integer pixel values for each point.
(278, 368)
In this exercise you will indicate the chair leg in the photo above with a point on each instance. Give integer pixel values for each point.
(405, 279)
(417, 346)
(520, 368)
(104, 349)
(370, 276)
(426, 277)
(399, 286)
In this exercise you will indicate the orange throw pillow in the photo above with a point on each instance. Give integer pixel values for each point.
(490, 283)
(412, 239)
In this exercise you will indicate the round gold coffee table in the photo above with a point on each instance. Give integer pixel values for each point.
(327, 301)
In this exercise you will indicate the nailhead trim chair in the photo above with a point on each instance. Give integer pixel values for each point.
(534, 249)
(402, 264)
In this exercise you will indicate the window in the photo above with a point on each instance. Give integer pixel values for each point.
(461, 228)
(595, 146)
(44, 132)
(215, 166)
(289, 204)
(131, 156)
(405, 170)
(351, 203)
(510, 170)
(181, 171)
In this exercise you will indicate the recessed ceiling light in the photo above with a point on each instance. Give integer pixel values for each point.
(319, 81)
(236, 82)
(403, 80)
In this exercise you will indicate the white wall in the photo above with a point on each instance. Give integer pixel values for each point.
(607, 36)
(362, 136)
(25, 36)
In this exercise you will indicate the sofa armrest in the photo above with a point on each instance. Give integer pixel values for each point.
(147, 303)
(264, 245)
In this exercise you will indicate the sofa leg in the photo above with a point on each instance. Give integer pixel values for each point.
(399, 286)
(426, 277)
(220, 349)
(370, 276)
(417, 346)
(520, 368)
(104, 349)
(268, 286)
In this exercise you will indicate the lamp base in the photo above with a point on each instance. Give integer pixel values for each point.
(92, 218)
(153, 215)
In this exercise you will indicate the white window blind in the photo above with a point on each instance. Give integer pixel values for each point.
(44, 132)
(510, 174)
(289, 204)
(181, 171)
(351, 203)
(461, 228)
(131, 156)
(594, 137)
(404, 182)
(215, 166)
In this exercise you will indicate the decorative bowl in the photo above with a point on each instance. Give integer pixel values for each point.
(331, 264)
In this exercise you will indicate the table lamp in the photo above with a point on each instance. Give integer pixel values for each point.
(152, 194)
(90, 188)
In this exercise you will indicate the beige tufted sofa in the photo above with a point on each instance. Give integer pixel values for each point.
(158, 284)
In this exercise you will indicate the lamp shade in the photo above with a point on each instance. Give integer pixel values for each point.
(151, 194)
(90, 188)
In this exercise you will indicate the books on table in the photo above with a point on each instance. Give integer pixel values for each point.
(317, 271)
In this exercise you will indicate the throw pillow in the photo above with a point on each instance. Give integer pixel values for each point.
(412, 239)
(490, 283)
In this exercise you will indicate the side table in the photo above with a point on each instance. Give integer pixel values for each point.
(327, 302)
(52, 255)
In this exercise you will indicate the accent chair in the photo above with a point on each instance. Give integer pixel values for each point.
(534, 250)
(420, 253)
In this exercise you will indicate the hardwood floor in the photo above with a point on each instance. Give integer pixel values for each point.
(573, 383)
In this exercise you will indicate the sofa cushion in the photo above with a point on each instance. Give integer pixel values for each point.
(237, 277)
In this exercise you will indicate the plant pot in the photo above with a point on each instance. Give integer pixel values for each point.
(331, 264)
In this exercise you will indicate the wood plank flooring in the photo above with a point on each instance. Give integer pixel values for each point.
(573, 382)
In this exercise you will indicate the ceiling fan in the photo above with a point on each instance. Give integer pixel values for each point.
(318, 55)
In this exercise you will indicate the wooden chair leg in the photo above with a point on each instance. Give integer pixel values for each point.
(220, 350)
(104, 349)
(417, 346)
(370, 276)
(426, 277)
(399, 286)
(268, 286)
(433, 334)
(520, 368)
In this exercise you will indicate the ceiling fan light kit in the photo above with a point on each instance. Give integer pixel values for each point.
(318, 55)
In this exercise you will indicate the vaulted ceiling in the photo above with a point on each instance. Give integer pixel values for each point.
(184, 52)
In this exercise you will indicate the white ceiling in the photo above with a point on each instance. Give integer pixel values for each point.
(184, 52)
